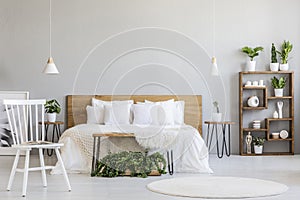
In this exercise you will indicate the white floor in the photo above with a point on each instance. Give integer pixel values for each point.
(283, 169)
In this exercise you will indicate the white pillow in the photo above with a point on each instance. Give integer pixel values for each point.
(98, 102)
(141, 114)
(179, 112)
(117, 113)
(95, 114)
(163, 112)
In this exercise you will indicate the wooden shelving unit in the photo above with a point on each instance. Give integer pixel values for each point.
(265, 99)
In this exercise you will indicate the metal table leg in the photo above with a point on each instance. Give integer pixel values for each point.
(94, 156)
(170, 164)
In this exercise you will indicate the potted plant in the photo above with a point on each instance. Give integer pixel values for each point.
(216, 116)
(278, 85)
(258, 144)
(286, 48)
(274, 65)
(52, 107)
(251, 52)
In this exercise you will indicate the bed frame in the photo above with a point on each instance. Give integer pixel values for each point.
(76, 106)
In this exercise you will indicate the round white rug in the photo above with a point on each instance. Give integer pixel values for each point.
(217, 187)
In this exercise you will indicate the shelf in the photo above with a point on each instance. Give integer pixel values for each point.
(254, 108)
(281, 119)
(268, 72)
(254, 87)
(285, 97)
(247, 113)
(287, 139)
(255, 129)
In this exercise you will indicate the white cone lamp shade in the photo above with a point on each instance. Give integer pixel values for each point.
(214, 67)
(50, 67)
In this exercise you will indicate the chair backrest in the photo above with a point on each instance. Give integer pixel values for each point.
(23, 119)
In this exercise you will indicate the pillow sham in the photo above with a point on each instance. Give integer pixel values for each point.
(117, 113)
(162, 112)
(141, 114)
(165, 114)
(95, 114)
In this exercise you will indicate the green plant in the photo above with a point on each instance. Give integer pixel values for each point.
(216, 104)
(286, 48)
(278, 83)
(273, 54)
(252, 52)
(137, 163)
(257, 141)
(52, 106)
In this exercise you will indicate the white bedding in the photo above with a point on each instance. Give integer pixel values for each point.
(190, 152)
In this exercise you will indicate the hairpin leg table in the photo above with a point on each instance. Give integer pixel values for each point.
(55, 130)
(213, 128)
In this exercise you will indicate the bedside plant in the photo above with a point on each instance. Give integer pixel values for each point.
(258, 145)
(52, 107)
(216, 116)
(252, 53)
(278, 85)
(286, 48)
(274, 65)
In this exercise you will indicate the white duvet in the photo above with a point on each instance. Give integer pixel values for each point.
(189, 150)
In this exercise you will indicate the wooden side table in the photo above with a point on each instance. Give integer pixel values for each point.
(209, 136)
(55, 130)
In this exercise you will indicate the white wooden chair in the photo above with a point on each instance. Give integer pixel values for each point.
(26, 136)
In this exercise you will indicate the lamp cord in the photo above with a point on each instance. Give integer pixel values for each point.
(214, 27)
(50, 28)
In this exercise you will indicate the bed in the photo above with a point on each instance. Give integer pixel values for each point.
(190, 152)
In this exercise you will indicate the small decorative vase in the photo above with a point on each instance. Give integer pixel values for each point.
(274, 67)
(51, 117)
(217, 117)
(284, 67)
(278, 92)
(258, 149)
(275, 115)
(253, 101)
(280, 105)
(251, 65)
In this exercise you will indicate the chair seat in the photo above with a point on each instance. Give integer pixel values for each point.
(38, 145)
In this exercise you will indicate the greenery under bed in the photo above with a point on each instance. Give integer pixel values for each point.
(135, 164)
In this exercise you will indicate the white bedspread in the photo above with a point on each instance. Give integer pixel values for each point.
(190, 152)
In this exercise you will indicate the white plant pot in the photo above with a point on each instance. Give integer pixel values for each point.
(274, 67)
(217, 117)
(284, 67)
(258, 149)
(51, 117)
(278, 92)
(251, 65)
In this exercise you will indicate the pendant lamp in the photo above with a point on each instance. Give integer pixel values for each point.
(50, 67)
(214, 67)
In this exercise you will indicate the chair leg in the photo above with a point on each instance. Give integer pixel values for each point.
(13, 170)
(63, 168)
(42, 162)
(26, 167)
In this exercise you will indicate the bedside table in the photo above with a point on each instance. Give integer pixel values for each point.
(215, 130)
(55, 130)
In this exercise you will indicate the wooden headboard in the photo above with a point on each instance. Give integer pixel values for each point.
(76, 106)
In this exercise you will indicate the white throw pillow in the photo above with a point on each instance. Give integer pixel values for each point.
(163, 112)
(141, 114)
(179, 112)
(95, 114)
(117, 113)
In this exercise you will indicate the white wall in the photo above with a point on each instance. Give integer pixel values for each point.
(182, 44)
